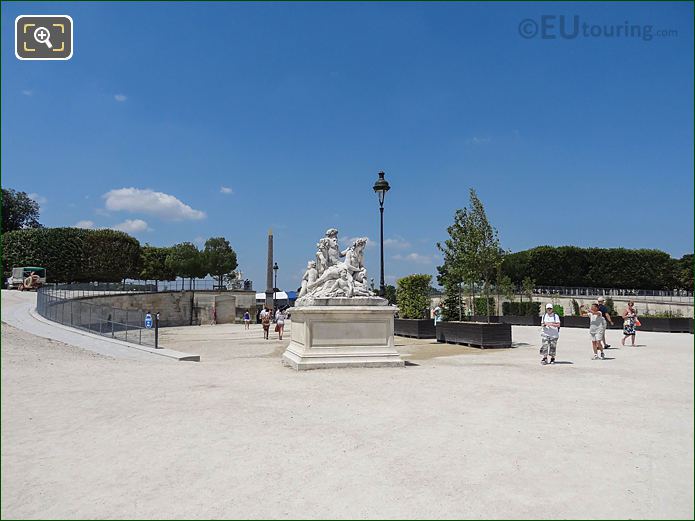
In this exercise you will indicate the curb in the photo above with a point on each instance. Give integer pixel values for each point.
(168, 353)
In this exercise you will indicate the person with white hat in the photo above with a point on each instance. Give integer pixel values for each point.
(549, 334)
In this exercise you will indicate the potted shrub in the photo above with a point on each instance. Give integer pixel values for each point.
(412, 298)
(472, 256)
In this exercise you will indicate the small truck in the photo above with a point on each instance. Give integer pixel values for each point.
(27, 278)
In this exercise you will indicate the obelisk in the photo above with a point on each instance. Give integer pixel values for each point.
(269, 273)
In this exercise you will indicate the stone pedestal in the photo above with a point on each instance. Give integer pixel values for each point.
(342, 332)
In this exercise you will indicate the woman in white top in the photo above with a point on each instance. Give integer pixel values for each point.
(597, 327)
(280, 323)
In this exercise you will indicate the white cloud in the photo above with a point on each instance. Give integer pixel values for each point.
(38, 198)
(226, 190)
(200, 241)
(28, 92)
(396, 243)
(417, 258)
(147, 201)
(478, 140)
(120, 97)
(87, 224)
(132, 226)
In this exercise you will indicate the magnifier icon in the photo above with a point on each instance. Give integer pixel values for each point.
(43, 35)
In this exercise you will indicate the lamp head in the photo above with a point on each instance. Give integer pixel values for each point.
(381, 187)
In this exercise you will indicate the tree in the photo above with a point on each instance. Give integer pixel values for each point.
(684, 272)
(111, 255)
(390, 293)
(453, 272)
(153, 264)
(412, 295)
(472, 254)
(527, 287)
(18, 211)
(219, 257)
(505, 287)
(186, 261)
(73, 254)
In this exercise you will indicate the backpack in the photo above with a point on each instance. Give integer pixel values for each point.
(556, 318)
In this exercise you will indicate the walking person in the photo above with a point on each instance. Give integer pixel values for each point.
(607, 316)
(213, 316)
(549, 334)
(597, 328)
(265, 322)
(629, 323)
(247, 320)
(437, 314)
(279, 323)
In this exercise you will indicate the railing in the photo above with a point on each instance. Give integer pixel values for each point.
(69, 305)
(670, 295)
(149, 286)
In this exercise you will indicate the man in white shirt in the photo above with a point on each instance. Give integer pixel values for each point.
(549, 334)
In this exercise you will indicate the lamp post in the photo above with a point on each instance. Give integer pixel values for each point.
(381, 187)
(275, 285)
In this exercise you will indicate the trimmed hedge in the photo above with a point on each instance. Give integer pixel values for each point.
(521, 308)
(73, 254)
(599, 267)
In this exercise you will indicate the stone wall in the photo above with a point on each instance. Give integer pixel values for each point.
(182, 308)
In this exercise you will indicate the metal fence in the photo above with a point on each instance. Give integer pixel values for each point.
(670, 295)
(69, 304)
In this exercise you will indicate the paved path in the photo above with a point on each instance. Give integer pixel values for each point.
(458, 433)
(16, 307)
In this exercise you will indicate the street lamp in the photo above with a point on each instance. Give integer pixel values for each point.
(275, 285)
(381, 187)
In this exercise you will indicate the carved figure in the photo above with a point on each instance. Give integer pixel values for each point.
(329, 276)
(310, 276)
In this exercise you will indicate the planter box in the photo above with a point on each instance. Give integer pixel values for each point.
(680, 325)
(575, 321)
(583, 322)
(414, 328)
(476, 334)
(666, 325)
(483, 318)
(520, 320)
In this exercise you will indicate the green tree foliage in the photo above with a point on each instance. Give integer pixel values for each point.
(186, 261)
(599, 267)
(472, 255)
(684, 272)
(111, 255)
(18, 211)
(483, 306)
(412, 296)
(527, 286)
(73, 254)
(390, 293)
(153, 264)
(219, 257)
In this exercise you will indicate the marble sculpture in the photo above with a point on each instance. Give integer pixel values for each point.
(336, 273)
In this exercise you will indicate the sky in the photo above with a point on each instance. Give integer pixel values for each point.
(182, 121)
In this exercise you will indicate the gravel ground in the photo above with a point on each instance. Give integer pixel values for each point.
(458, 433)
